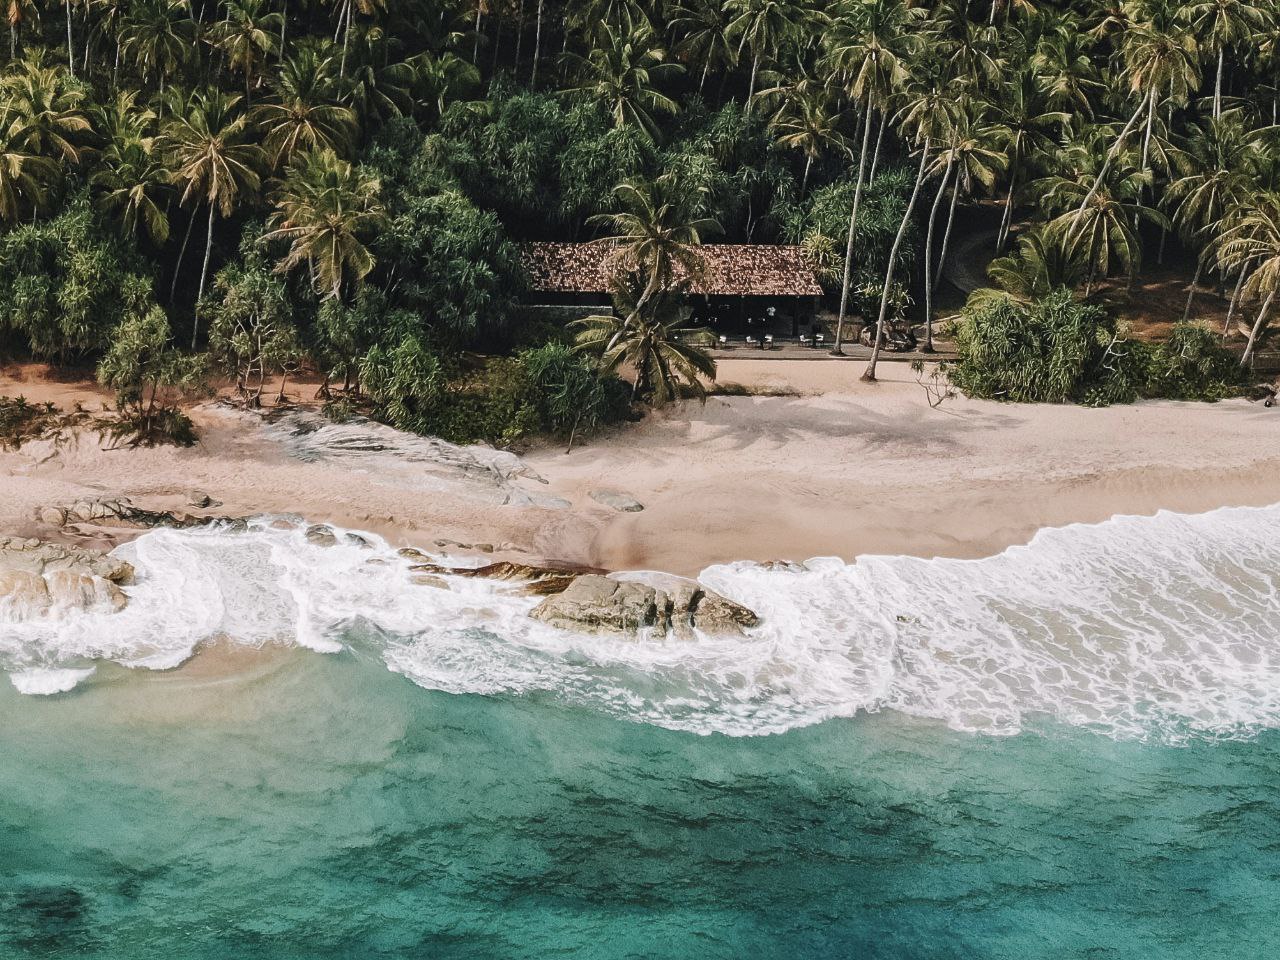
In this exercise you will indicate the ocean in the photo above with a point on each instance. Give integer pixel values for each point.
(1069, 750)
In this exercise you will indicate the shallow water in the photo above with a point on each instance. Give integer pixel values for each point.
(1070, 750)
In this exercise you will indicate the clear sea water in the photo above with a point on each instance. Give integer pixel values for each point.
(1068, 751)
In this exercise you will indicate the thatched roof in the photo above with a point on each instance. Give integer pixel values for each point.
(729, 269)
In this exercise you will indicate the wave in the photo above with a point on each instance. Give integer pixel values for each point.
(1165, 626)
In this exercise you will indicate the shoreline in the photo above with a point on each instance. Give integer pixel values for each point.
(830, 468)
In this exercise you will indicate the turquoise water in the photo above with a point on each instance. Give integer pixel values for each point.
(289, 804)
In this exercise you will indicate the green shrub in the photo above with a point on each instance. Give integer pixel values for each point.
(1058, 349)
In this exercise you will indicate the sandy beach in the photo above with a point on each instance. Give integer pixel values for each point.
(833, 467)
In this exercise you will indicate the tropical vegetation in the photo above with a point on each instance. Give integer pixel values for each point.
(271, 188)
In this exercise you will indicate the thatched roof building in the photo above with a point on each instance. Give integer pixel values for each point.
(729, 269)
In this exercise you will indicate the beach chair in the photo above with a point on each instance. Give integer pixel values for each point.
(751, 341)
(767, 342)
(819, 339)
(805, 341)
(724, 342)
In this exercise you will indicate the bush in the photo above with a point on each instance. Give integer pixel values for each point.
(1058, 349)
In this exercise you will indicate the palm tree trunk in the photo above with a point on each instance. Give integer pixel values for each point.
(1151, 119)
(1106, 163)
(537, 47)
(848, 248)
(475, 53)
(284, 23)
(875, 157)
(71, 47)
(1007, 220)
(1217, 87)
(13, 41)
(1231, 307)
(804, 180)
(702, 81)
(1258, 324)
(177, 270)
(946, 234)
(869, 375)
(928, 259)
(751, 88)
(204, 274)
(1191, 290)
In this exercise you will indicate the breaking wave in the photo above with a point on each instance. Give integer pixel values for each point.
(1165, 626)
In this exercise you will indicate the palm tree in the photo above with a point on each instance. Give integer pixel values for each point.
(302, 112)
(702, 27)
(49, 109)
(650, 335)
(131, 183)
(158, 38)
(807, 120)
(1224, 25)
(866, 44)
(247, 35)
(325, 206)
(1043, 261)
(26, 175)
(1254, 243)
(1214, 163)
(214, 162)
(869, 374)
(1103, 229)
(764, 26)
(654, 235)
(622, 72)
(1064, 66)
(970, 148)
(1025, 128)
(376, 85)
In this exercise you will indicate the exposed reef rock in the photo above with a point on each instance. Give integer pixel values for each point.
(595, 602)
(37, 578)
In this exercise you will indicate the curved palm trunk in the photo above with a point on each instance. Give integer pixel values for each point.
(1106, 163)
(1191, 290)
(928, 259)
(182, 253)
(751, 88)
(204, 275)
(946, 234)
(1151, 119)
(284, 23)
(519, 37)
(1007, 220)
(869, 374)
(848, 249)
(475, 53)
(875, 156)
(1247, 358)
(804, 180)
(1231, 307)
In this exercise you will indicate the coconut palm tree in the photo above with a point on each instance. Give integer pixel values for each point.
(214, 162)
(247, 36)
(326, 207)
(1214, 164)
(866, 47)
(623, 72)
(1025, 129)
(763, 27)
(1100, 222)
(1224, 25)
(1043, 261)
(158, 38)
(302, 112)
(26, 174)
(651, 335)
(1064, 65)
(131, 182)
(702, 29)
(49, 109)
(808, 119)
(1253, 242)
(971, 149)
(654, 235)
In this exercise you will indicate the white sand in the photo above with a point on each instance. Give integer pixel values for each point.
(843, 469)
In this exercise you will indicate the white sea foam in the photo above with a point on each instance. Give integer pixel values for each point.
(1165, 625)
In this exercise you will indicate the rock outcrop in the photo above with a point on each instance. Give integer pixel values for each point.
(38, 577)
(120, 512)
(538, 581)
(622, 502)
(612, 605)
